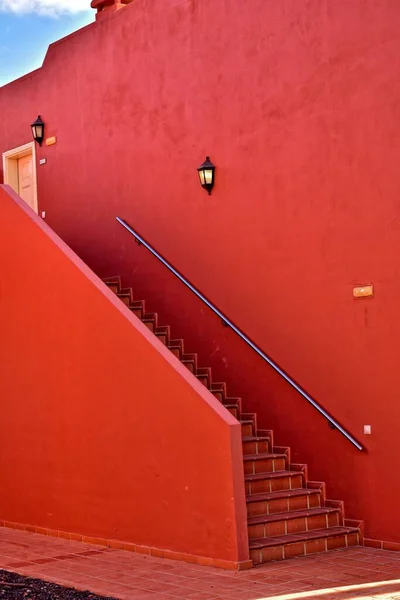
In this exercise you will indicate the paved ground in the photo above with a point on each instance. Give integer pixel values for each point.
(360, 573)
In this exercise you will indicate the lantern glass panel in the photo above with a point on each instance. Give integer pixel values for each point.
(208, 176)
(202, 177)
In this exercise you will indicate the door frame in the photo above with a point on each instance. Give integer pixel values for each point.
(10, 168)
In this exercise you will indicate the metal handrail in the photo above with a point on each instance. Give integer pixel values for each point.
(332, 422)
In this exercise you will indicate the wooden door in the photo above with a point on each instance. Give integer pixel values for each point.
(25, 180)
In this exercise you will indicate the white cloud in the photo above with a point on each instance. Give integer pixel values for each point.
(51, 8)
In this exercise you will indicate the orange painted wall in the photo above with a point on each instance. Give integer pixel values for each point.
(297, 103)
(103, 431)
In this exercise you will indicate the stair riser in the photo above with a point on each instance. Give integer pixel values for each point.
(255, 447)
(234, 412)
(292, 526)
(204, 380)
(150, 325)
(125, 300)
(303, 548)
(162, 338)
(113, 288)
(270, 507)
(137, 312)
(176, 346)
(291, 482)
(247, 430)
(265, 465)
(176, 352)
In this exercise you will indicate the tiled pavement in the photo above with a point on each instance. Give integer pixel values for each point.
(362, 573)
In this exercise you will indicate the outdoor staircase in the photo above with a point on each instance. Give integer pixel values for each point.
(288, 515)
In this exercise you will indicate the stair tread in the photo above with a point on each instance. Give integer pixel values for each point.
(257, 438)
(281, 494)
(264, 455)
(292, 514)
(271, 475)
(301, 537)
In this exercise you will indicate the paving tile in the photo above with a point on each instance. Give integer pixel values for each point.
(201, 596)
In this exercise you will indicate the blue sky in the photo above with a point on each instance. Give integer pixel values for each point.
(27, 27)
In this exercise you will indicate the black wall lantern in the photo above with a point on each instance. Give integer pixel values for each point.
(38, 130)
(206, 174)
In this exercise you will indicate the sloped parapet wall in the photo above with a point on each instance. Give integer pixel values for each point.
(103, 432)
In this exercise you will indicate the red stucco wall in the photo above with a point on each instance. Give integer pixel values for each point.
(103, 432)
(297, 103)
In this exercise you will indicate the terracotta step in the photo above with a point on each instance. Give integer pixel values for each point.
(266, 461)
(234, 405)
(309, 542)
(292, 522)
(285, 500)
(272, 482)
(203, 374)
(153, 317)
(126, 292)
(189, 364)
(149, 324)
(176, 347)
(219, 390)
(125, 298)
(162, 337)
(233, 409)
(114, 286)
(190, 359)
(250, 418)
(203, 379)
(163, 331)
(255, 445)
(151, 321)
(138, 308)
(230, 400)
(116, 280)
(247, 428)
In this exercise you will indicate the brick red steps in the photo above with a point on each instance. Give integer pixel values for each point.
(255, 445)
(272, 481)
(284, 500)
(266, 461)
(287, 514)
(293, 522)
(309, 542)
